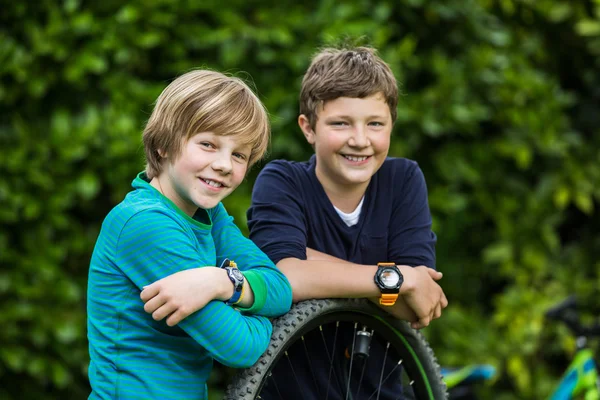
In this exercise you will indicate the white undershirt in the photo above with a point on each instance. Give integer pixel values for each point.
(351, 219)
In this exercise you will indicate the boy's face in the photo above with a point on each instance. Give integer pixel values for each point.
(208, 169)
(351, 140)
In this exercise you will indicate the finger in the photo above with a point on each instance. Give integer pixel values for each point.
(154, 304)
(436, 275)
(438, 312)
(444, 301)
(415, 325)
(163, 312)
(177, 317)
(423, 322)
(149, 292)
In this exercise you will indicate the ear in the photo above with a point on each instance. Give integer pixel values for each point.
(308, 131)
(162, 153)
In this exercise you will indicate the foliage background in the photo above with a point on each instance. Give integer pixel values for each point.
(500, 108)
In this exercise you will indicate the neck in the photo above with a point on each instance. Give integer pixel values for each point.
(156, 184)
(345, 197)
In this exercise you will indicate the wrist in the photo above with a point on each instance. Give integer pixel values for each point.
(224, 287)
(408, 286)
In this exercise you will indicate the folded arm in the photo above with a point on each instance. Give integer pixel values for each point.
(151, 246)
(349, 280)
(278, 225)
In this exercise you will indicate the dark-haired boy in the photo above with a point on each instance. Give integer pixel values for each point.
(333, 224)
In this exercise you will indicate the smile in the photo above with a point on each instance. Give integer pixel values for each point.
(355, 158)
(212, 183)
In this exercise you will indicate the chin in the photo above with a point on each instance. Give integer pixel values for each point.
(356, 180)
(208, 204)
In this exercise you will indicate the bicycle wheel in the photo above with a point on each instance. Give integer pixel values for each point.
(415, 369)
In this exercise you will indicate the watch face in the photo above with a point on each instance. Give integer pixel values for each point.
(389, 278)
(237, 274)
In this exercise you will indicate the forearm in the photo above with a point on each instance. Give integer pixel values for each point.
(326, 276)
(233, 339)
(317, 279)
(401, 308)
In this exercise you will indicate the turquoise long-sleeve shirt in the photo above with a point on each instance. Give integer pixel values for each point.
(143, 239)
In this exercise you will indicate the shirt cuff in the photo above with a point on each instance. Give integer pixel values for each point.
(259, 288)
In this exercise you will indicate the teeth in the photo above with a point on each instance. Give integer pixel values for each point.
(212, 183)
(355, 159)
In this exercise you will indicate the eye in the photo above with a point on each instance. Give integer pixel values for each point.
(376, 123)
(208, 145)
(338, 123)
(240, 156)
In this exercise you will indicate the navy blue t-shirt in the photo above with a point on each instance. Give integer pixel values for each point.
(290, 211)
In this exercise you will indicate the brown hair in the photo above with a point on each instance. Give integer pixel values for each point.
(346, 72)
(204, 101)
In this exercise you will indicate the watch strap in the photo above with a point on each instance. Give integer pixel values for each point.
(236, 278)
(387, 299)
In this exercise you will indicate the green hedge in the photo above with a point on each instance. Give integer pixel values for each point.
(500, 108)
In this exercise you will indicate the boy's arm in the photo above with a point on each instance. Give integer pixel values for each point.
(266, 290)
(152, 245)
(399, 310)
(421, 299)
(277, 225)
(271, 289)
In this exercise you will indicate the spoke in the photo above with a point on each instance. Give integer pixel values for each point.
(294, 372)
(351, 360)
(312, 372)
(382, 369)
(362, 374)
(388, 376)
(276, 388)
(378, 390)
(331, 358)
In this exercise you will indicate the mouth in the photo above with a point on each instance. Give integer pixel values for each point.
(213, 183)
(355, 159)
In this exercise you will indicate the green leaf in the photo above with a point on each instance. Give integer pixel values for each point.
(588, 28)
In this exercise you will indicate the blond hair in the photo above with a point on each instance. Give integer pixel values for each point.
(204, 101)
(346, 72)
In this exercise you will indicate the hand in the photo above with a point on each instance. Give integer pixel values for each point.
(183, 293)
(422, 294)
(399, 310)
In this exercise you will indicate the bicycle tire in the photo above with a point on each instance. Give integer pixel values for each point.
(420, 362)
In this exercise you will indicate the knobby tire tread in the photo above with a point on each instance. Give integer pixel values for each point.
(247, 382)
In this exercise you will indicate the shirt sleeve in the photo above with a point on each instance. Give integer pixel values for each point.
(276, 216)
(151, 246)
(272, 290)
(412, 241)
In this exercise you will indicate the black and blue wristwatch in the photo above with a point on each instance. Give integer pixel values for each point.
(236, 277)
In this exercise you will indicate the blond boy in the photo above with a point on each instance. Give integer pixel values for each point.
(204, 133)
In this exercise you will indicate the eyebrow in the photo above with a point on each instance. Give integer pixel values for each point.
(374, 116)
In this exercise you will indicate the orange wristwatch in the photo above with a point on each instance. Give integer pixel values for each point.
(388, 279)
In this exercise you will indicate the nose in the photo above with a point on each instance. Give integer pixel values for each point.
(222, 164)
(359, 138)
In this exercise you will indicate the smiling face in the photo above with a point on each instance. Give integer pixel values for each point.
(208, 169)
(351, 139)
